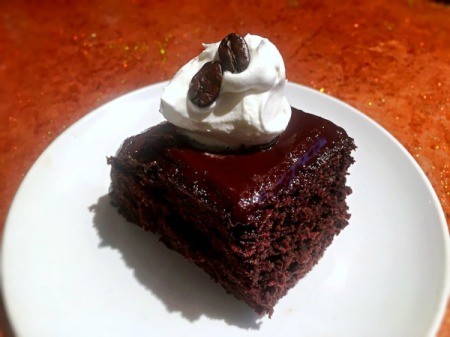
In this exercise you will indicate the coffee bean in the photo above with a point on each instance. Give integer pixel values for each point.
(234, 54)
(205, 85)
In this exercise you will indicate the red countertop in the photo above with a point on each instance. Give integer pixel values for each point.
(59, 60)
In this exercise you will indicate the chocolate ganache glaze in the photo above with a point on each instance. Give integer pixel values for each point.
(307, 142)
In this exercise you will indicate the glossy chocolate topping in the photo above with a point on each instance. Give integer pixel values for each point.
(242, 177)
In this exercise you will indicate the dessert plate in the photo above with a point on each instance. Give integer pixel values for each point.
(71, 266)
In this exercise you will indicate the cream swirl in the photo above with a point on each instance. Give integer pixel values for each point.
(251, 108)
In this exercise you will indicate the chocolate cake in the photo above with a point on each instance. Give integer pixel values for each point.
(256, 220)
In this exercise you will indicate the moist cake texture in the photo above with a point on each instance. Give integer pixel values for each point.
(255, 220)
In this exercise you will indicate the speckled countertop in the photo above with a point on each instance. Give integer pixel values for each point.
(61, 59)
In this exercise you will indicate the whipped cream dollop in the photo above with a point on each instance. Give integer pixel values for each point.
(251, 108)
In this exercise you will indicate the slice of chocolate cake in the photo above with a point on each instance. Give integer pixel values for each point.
(256, 220)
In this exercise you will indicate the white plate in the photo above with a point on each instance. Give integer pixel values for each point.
(71, 266)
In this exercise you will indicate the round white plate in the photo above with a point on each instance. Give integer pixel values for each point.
(71, 266)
